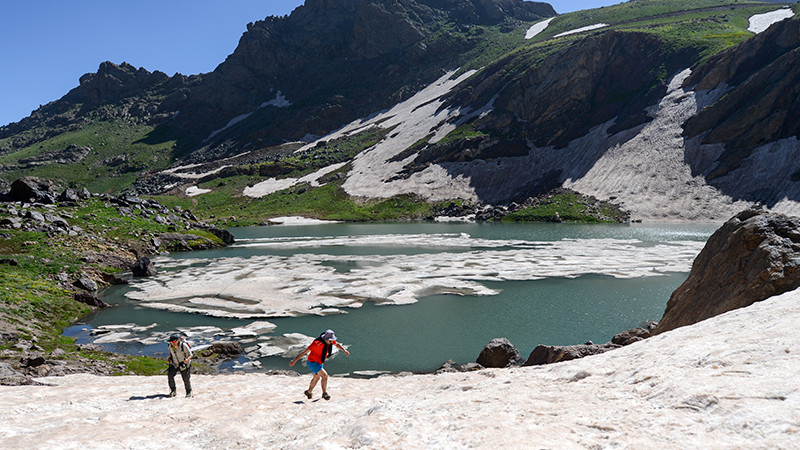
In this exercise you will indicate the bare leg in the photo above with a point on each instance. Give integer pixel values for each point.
(324, 376)
(314, 382)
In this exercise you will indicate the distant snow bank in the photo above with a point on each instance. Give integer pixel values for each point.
(760, 22)
(538, 28)
(581, 30)
(298, 220)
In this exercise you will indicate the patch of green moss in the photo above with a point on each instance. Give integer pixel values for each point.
(568, 207)
(465, 131)
(141, 365)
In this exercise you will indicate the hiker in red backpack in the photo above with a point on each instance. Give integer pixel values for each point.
(180, 359)
(321, 348)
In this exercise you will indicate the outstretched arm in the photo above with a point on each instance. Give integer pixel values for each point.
(297, 358)
(339, 346)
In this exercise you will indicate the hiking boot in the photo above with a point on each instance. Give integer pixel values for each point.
(326, 396)
(308, 394)
(188, 394)
(172, 393)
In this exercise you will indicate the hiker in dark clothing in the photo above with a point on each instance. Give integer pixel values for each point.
(180, 359)
(321, 348)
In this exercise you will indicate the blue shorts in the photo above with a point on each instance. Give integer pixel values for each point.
(315, 367)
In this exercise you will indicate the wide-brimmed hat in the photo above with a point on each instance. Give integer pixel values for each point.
(174, 337)
(328, 335)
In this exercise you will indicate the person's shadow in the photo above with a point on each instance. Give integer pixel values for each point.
(148, 397)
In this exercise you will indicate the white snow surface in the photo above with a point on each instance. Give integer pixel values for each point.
(537, 28)
(582, 29)
(727, 382)
(760, 22)
(180, 172)
(193, 191)
(271, 185)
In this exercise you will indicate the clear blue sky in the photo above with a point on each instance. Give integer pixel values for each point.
(46, 45)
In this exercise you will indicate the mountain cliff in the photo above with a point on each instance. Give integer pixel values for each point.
(674, 110)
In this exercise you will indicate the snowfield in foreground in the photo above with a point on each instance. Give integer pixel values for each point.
(728, 382)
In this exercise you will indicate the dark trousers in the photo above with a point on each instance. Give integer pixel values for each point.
(185, 374)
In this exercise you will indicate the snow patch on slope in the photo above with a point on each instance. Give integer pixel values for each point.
(582, 29)
(193, 191)
(271, 185)
(537, 28)
(760, 22)
(279, 102)
(649, 171)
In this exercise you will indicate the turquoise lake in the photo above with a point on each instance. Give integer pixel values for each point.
(555, 284)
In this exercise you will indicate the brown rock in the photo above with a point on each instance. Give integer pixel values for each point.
(548, 354)
(227, 348)
(27, 189)
(753, 256)
(763, 103)
(634, 334)
(90, 299)
(500, 352)
(143, 267)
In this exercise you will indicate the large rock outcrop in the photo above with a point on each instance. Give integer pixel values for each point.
(552, 103)
(32, 189)
(753, 256)
(764, 104)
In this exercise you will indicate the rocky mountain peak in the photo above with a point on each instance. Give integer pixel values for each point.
(112, 82)
(342, 56)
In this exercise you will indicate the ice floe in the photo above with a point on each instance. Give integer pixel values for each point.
(254, 329)
(318, 283)
(200, 337)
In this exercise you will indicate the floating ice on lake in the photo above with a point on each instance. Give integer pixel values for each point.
(266, 285)
(254, 329)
